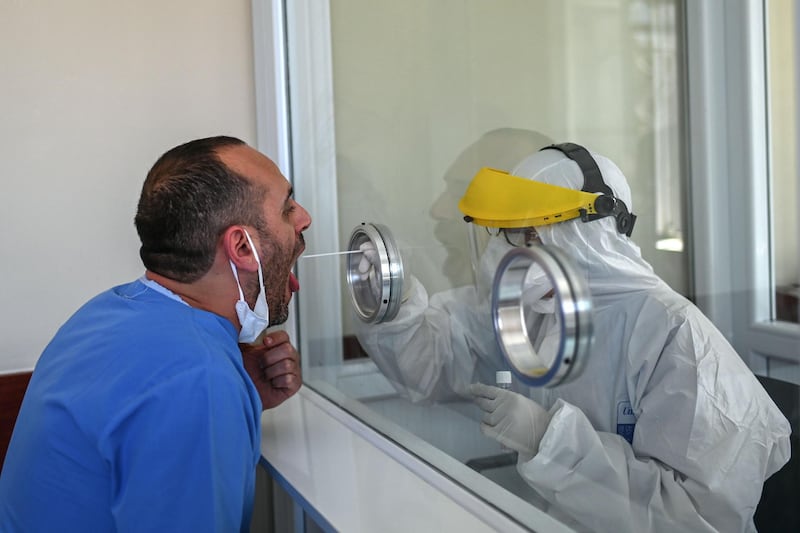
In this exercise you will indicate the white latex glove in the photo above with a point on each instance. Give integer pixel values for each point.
(514, 420)
(368, 269)
(369, 266)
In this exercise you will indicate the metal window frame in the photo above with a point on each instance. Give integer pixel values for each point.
(298, 134)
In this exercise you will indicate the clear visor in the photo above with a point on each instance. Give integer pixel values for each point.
(489, 245)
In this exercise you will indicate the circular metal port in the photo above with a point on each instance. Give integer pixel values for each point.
(377, 300)
(545, 340)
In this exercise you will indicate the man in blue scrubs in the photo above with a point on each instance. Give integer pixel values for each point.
(143, 413)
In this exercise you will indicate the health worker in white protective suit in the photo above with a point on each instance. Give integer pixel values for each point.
(666, 429)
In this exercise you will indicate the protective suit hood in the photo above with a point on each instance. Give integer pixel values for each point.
(611, 261)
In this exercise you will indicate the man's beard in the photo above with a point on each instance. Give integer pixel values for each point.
(276, 277)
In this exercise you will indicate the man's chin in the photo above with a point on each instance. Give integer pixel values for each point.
(276, 319)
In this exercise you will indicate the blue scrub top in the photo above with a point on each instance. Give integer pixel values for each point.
(139, 417)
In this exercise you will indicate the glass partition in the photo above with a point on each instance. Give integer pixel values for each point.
(395, 107)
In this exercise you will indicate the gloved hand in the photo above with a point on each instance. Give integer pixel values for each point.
(369, 267)
(515, 421)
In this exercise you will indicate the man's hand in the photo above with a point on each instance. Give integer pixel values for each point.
(274, 368)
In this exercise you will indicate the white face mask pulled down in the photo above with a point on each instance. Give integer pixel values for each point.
(537, 291)
(253, 321)
(536, 295)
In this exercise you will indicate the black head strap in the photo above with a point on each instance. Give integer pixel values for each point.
(606, 204)
(592, 177)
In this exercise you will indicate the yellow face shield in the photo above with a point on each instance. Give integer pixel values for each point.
(496, 199)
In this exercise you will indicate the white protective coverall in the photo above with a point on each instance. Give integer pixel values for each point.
(705, 434)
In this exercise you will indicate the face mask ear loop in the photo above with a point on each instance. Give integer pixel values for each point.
(258, 261)
(236, 272)
(236, 277)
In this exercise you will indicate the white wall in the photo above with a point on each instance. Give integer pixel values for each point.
(91, 93)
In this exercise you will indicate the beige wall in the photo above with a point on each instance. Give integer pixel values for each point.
(91, 93)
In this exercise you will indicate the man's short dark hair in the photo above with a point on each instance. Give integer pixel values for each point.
(188, 200)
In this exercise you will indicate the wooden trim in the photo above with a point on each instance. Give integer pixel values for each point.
(13, 387)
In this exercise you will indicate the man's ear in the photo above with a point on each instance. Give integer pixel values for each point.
(236, 246)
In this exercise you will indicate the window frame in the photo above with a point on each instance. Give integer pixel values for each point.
(729, 179)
